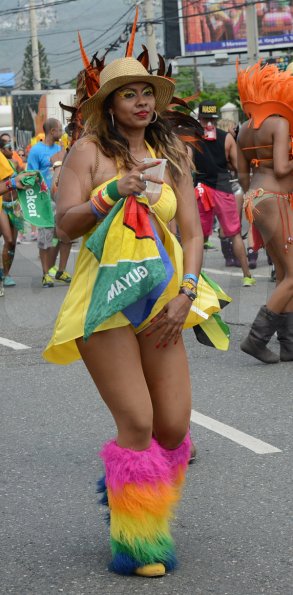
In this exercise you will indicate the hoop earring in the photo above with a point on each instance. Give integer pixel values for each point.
(156, 117)
(112, 118)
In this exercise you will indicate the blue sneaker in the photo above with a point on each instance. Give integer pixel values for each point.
(8, 281)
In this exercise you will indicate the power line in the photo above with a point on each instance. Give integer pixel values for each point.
(77, 51)
(19, 9)
(49, 34)
(86, 45)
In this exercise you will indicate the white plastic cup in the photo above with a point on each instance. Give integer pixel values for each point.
(153, 189)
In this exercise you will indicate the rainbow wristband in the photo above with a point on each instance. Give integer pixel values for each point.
(104, 200)
(190, 276)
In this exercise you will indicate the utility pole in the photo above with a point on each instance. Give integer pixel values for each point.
(35, 48)
(150, 33)
(252, 33)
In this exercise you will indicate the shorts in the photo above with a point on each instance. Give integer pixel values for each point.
(45, 237)
(225, 208)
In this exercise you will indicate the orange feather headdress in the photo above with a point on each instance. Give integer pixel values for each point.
(265, 91)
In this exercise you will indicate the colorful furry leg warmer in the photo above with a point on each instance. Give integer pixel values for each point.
(178, 459)
(141, 498)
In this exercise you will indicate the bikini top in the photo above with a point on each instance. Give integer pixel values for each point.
(256, 162)
(165, 207)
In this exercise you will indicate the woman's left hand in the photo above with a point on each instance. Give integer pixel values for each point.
(171, 320)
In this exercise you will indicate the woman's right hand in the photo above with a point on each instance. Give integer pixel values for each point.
(18, 180)
(134, 182)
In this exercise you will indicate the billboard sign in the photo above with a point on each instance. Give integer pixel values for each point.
(208, 26)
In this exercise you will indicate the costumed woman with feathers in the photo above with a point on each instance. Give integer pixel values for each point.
(132, 293)
(265, 145)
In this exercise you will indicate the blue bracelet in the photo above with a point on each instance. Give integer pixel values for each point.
(13, 183)
(190, 276)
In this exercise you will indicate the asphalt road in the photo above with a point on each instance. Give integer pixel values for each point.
(234, 527)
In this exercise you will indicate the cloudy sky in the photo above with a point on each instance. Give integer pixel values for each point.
(100, 23)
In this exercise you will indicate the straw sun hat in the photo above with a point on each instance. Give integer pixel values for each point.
(121, 72)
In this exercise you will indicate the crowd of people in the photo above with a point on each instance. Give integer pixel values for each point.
(135, 286)
(45, 156)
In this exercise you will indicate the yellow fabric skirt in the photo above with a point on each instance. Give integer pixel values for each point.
(70, 322)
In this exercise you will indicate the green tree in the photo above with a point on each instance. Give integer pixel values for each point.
(27, 67)
(187, 82)
(212, 93)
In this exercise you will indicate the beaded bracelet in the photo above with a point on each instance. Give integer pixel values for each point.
(190, 276)
(190, 285)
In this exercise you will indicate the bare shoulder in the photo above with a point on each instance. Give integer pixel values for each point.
(83, 152)
(277, 123)
(229, 140)
(85, 157)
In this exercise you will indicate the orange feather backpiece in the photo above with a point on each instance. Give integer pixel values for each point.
(265, 83)
(85, 59)
(265, 91)
(144, 57)
(162, 66)
(92, 79)
(130, 45)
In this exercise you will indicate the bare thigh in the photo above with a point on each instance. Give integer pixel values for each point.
(167, 375)
(113, 360)
(5, 228)
(274, 230)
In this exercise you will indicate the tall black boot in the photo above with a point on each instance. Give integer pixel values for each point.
(285, 336)
(227, 251)
(263, 327)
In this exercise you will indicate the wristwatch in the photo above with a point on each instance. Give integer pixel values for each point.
(190, 294)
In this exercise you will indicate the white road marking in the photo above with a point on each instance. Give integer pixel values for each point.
(13, 344)
(254, 444)
(233, 274)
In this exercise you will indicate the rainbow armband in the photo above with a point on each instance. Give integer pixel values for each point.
(104, 200)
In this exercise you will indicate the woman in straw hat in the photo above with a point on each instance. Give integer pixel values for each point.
(265, 145)
(138, 362)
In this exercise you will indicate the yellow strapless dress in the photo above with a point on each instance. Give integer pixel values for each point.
(70, 322)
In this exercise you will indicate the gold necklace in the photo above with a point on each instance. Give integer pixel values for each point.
(139, 160)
